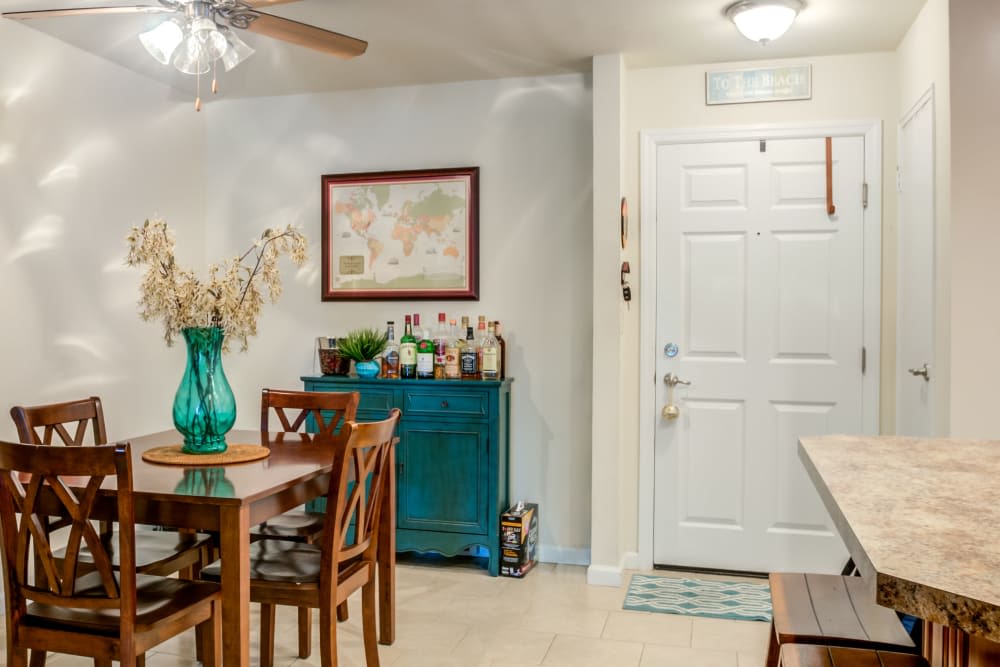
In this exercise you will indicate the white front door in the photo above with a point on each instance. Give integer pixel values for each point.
(916, 374)
(761, 292)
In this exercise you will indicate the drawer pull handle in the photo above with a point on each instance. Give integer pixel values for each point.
(444, 404)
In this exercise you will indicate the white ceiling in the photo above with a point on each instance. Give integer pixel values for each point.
(431, 41)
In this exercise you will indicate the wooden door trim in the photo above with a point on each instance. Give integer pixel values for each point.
(649, 142)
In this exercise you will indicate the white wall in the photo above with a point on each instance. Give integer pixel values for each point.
(86, 150)
(532, 140)
(923, 62)
(975, 234)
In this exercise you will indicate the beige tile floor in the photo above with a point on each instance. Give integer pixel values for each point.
(452, 614)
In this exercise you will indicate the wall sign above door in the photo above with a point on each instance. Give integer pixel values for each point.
(765, 84)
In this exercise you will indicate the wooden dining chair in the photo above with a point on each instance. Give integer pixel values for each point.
(88, 609)
(79, 423)
(323, 412)
(325, 574)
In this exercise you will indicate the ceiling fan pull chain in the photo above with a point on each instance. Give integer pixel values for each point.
(215, 79)
(197, 100)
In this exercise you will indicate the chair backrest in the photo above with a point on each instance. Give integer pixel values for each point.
(40, 423)
(358, 491)
(38, 480)
(340, 407)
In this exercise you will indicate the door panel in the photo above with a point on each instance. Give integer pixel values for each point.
(442, 477)
(915, 301)
(762, 292)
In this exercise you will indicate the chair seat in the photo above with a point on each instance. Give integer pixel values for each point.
(159, 600)
(278, 561)
(831, 610)
(156, 552)
(295, 525)
(804, 655)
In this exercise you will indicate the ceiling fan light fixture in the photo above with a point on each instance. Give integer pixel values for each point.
(764, 20)
(163, 40)
(190, 58)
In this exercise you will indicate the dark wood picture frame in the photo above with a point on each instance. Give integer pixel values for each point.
(371, 225)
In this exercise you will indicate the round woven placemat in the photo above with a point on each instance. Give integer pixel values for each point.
(172, 455)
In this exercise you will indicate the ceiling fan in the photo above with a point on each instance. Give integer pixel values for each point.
(199, 34)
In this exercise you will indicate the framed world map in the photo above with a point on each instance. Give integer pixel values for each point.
(401, 235)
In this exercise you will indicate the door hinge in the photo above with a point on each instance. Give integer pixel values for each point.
(763, 145)
(864, 195)
(864, 359)
(899, 179)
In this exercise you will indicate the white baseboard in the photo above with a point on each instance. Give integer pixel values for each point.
(604, 575)
(563, 555)
(630, 561)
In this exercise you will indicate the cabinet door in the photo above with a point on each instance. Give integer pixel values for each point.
(442, 477)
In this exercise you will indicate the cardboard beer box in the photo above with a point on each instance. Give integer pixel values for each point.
(518, 539)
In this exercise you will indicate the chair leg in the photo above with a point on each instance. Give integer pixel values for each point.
(208, 636)
(140, 660)
(19, 657)
(368, 623)
(266, 635)
(342, 614)
(37, 658)
(327, 638)
(102, 662)
(305, 632)
(773, 649)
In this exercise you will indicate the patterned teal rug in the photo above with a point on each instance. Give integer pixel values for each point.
(697, 597)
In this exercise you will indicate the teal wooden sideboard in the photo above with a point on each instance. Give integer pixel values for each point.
(451, 461)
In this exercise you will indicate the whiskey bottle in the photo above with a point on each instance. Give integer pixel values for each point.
(408, 351)
(452, 370)
(480, 337)
(470, 370)
(425, 351)
(490, 369)
(390, 358)
(498, 331)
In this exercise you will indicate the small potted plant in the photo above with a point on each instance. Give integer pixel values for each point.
(363, 346)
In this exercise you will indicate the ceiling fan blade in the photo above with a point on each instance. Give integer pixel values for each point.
(49, 13)
(257, 4)
(308, 36)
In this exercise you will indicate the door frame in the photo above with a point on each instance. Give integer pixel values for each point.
(649, 142)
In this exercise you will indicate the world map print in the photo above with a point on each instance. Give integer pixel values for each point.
(399, 235)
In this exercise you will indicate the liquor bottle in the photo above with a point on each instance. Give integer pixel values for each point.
(425, 351)
(490, 370)
(480, 337)
(452, 369)
(470, 371)
(408, 351)
(498, 331)
(440, 347)
(390, 358)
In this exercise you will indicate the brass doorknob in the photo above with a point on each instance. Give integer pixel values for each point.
(924, 371)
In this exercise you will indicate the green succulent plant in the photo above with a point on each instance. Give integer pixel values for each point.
(362, 344)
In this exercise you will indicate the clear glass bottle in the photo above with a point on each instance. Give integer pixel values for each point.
(480, 337)
(490, 369)
(390, 357)
(408, 351)
(498, 331)
(440, 347)
(452, 369)
(470, 370)
(425, 351)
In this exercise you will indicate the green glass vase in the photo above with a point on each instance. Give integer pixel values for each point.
(204, 406)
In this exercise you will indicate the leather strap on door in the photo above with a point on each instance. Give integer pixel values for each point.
(830, 208)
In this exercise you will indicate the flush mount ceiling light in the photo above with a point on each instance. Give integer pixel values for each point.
(763, 20)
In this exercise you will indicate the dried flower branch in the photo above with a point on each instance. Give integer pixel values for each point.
(231, 297)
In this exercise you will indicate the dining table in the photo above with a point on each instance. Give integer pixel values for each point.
(228, 499)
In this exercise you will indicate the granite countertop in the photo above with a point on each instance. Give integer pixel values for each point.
(921, 519)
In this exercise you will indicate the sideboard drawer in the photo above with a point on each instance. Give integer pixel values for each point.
(449, 402)
(373, 400)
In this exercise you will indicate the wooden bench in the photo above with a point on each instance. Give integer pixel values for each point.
(805, 655)
(831, 610)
